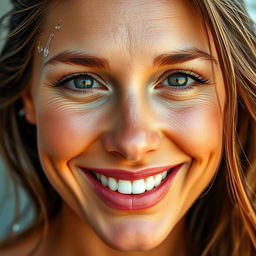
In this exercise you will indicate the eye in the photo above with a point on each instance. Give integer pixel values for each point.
(183, 80)
(80, 83)
(83, 82)
(178, 80)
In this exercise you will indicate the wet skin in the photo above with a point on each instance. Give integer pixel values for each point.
(132, 118)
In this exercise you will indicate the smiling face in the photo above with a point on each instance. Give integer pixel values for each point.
(128, 86)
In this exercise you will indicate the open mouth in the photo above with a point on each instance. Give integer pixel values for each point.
(125, 190)
(137, 186)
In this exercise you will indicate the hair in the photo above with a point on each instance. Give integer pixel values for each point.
(223, 221)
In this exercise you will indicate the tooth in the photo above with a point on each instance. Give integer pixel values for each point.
(132, 187)
(112, 184)
(124, 186)
(164, 174)
(138, 186)
(97, 175)
(104, 180)
(158, 179)
(150, 183)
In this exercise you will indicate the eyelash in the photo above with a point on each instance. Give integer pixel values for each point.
(68, 78)
(199, 80)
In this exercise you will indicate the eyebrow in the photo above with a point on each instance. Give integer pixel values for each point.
(182, 55)
(78, 58)
(87, 60)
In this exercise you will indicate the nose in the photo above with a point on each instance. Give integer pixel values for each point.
(133, 133)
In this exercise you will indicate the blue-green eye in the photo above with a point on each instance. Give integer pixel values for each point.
(177, 80)
(80, 83)
(183, 80)
(83, 82)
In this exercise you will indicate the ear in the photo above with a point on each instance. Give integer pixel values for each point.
(29, 107)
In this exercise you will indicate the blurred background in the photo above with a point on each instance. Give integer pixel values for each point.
(7, 203)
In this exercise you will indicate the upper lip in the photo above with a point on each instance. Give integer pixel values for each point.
(129, 175)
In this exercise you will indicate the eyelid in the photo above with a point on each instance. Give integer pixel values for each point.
(70, 77)
(190, 73)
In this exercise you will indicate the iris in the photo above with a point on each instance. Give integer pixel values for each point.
(83, 82)
(177, 80)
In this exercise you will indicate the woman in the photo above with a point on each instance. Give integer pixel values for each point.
(131, 124)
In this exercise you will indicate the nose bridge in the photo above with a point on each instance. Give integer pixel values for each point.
(133, 133)
(131, 110)
(133, 122)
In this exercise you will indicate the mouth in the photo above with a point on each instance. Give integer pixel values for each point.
(137, 186)
(125, 190)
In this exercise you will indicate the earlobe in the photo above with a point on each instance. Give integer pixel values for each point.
(29, 107)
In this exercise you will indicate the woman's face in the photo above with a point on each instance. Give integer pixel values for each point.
(144, 95)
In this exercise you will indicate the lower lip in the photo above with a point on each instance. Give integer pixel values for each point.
(132, 202)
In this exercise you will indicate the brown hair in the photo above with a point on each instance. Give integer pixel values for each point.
(18, 137)
(223, 221)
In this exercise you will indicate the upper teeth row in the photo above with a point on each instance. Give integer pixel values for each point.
(131, 187)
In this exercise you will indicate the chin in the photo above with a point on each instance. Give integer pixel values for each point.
(131, 245)
(132, 239)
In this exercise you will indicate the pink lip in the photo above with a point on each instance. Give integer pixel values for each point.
(134, 201)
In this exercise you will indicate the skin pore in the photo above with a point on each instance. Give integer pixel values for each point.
(131, 119)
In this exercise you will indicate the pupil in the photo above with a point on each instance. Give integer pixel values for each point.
(83, 82)
(177, 80)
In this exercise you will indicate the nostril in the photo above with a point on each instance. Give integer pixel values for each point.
(126, 157)
(129, 146)
(118, 154)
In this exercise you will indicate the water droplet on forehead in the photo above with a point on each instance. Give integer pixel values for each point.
(57, 27)
(40, 48)
(46, 52)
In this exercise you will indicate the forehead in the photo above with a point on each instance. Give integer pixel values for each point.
(125, 28)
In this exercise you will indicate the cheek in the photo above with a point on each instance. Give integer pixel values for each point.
(202, 130)
(64, 134)
(196, 129)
